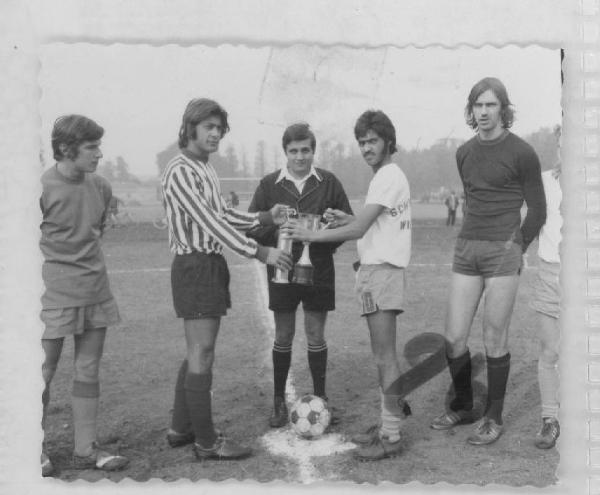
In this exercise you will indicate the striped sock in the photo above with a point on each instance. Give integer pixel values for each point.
(282, 358)
(317, 362)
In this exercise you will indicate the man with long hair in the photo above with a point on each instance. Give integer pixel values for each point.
(201, 225)
(499, 172)
(383, 230)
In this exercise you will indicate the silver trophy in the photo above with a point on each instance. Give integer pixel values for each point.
(304, 269)
(284, 242)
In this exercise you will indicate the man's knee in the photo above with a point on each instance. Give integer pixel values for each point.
(284, 336)
(48, 371)
(201, 358)
(315, 336)
(456, 344)
(87, 368)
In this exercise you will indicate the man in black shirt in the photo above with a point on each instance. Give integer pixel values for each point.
(499, 172)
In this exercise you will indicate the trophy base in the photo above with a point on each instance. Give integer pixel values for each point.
(303, 274)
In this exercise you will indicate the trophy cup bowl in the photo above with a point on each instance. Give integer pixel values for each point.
(304, 269)
(284, 242)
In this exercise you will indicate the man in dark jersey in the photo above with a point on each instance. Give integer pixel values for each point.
(499, 172)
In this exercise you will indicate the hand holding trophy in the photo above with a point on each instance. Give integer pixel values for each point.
(304, 269)
(284, 242)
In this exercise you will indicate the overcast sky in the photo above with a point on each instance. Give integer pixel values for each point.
(138, 92)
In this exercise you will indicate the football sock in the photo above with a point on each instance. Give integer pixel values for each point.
(497, 372)
(84, 400)
(548, 379)
(394, 411)
(460, 371)
(317, 362)
(180, 421)
(282, 358)
(198, 398)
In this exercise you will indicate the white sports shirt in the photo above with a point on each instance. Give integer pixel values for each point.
(549, 237)
(388, 239)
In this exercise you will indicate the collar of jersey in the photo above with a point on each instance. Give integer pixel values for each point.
(285, 174)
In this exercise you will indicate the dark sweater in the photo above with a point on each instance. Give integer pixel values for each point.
(498, 176)
(316, 197)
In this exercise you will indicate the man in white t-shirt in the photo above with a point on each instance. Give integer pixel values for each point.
(383, 230)
(546, 303)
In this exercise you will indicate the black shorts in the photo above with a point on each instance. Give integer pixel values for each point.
(317, 297)
(200, 285)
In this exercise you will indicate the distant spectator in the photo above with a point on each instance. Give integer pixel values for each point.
(234, 199)
(451, 203)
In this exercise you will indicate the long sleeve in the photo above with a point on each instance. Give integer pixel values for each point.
(183, 194)
(263, 234)
(533, 193)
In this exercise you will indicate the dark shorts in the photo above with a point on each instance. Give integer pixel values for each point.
(487, 258)
(317, 297)
(200, 285)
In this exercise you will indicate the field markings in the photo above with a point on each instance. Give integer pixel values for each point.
(283, 441)
(526, 266)
(233, 265)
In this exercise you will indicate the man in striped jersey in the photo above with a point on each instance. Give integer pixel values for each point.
(200, 226)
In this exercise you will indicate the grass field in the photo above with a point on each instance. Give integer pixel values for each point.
(143, 353)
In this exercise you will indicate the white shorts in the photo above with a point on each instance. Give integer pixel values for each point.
(61, 322)
(546, 295)
(380, 287)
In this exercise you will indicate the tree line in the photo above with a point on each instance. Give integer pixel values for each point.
(428, 169)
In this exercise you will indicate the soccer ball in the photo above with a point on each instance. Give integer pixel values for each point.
(309, 416)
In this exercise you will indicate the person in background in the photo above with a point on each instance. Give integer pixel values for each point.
(451, 203)
(546, 303)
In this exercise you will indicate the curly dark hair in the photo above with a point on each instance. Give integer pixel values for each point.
(380, 123)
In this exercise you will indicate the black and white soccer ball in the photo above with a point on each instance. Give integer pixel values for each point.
(309, 416)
